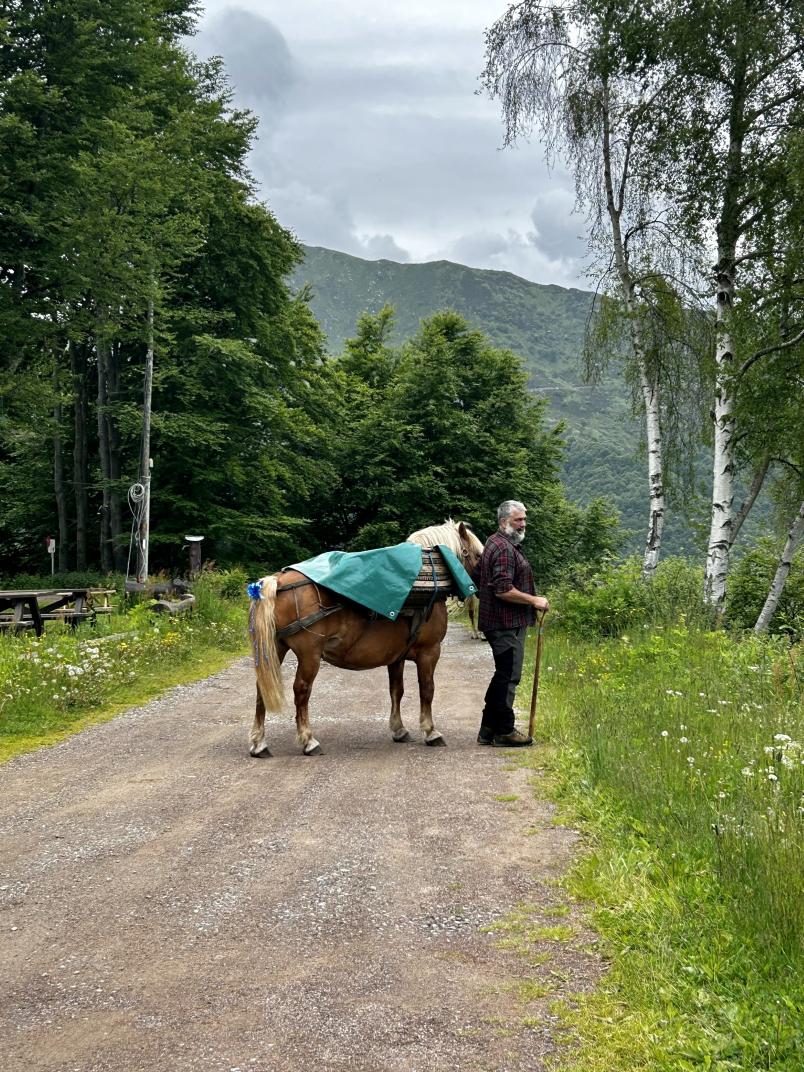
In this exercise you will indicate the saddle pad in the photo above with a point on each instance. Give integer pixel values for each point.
(382, 578)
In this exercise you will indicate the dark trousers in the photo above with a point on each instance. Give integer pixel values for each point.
(508, 649)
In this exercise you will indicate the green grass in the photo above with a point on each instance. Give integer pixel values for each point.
(679, 753)
(55, 685)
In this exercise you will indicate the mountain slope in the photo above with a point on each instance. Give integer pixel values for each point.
(544, 324)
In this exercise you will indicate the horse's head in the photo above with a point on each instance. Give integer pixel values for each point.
(471, 547)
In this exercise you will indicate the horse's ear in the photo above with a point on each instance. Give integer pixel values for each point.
(462, 531)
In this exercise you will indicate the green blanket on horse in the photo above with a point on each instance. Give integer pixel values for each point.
(381, 579)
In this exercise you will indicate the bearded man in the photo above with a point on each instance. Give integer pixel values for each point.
(508, 605)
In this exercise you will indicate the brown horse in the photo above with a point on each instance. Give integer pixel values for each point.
(298, 615)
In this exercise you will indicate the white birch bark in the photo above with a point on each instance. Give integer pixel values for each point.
(782, 570)
(720, 537)
(649, 387)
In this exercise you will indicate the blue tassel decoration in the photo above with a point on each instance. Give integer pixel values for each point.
(254, 589)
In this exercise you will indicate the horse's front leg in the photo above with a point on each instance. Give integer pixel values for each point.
(258, 746)
(306, 671)
(473, 609)
(396, 682)
(426, 660)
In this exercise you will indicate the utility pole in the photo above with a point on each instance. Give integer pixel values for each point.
(145, 455)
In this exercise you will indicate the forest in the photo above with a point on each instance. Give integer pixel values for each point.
(139, 269)
(131, 233)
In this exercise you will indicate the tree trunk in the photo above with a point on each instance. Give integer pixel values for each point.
(113, 439)
(650, 398)
(78, 362)
(103, 451)
(728, 233)
(144, 519)
(649, 386)
(58, 475)
(720, 531)
(782, 570)
(751, 497)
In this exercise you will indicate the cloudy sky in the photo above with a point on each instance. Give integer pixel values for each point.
(374, 141)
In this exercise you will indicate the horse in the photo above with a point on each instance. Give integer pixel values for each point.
(296, 614)
(472, 604)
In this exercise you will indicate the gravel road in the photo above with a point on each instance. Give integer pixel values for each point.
(169, 903)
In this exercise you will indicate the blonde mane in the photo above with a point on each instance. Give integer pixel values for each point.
(447, 534)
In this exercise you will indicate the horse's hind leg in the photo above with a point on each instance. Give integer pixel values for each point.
(396, 681)
(306, 671)
(258, 746)
(425, 668)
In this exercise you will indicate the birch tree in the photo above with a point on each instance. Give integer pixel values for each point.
(585, 75)
(782, 571)
(738, 75)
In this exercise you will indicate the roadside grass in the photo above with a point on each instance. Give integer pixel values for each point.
(679, 753)
(57, 684)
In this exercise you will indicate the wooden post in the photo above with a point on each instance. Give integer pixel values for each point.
(536, 664)
(194, 543)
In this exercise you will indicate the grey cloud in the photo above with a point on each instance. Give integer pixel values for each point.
(257, 58)
(379, 146)
(383, 247)
(559, 231)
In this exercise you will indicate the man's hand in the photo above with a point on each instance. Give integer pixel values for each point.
(513, 595)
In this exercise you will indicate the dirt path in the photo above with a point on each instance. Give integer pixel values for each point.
(168, 903)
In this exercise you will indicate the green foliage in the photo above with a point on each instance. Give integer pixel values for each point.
(749, 581)
(680, 753)
(606, 602)
(133, 189)
(448, 429)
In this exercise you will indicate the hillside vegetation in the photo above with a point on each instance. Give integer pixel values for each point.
(545, 325)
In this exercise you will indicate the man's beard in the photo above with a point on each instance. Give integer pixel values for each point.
(516, 536)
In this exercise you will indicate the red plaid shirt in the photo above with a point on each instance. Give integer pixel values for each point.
(501, 568)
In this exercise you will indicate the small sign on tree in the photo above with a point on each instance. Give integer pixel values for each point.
(50, 544)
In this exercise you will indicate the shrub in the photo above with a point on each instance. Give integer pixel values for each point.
(749, 581)
(617, 598)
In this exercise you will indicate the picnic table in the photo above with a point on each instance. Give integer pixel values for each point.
(31, 608)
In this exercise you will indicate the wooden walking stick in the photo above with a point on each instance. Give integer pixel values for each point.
(537, 662)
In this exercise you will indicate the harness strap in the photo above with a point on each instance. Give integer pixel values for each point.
(305, 623)
(293, 584)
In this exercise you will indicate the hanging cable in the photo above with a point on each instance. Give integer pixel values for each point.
(136, 502)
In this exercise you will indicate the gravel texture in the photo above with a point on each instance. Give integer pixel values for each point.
(169, 903)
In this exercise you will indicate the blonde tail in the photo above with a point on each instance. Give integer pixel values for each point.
(262, 626)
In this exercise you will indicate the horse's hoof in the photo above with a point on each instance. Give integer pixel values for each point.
(261, 753)
(401, 738)
(313, 748)
(435, 740)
